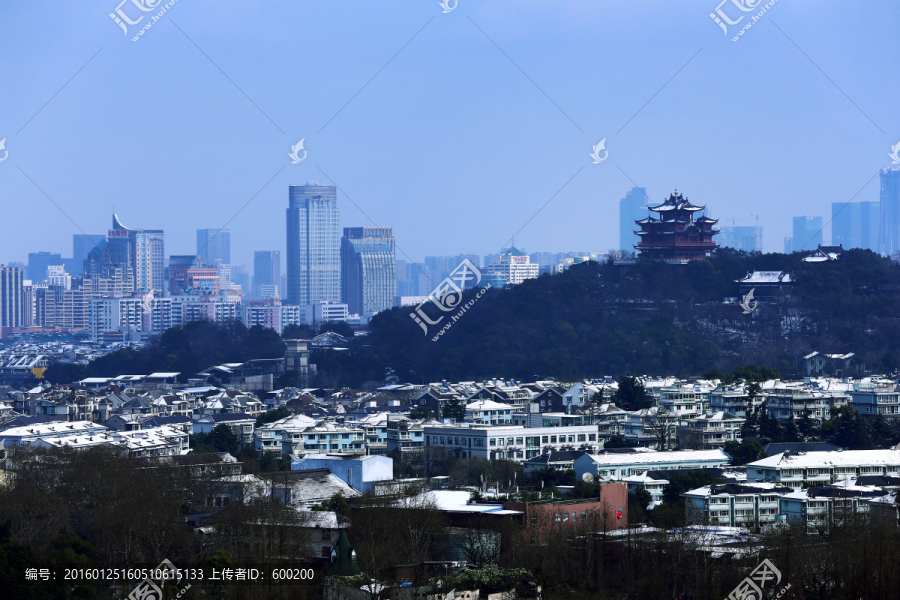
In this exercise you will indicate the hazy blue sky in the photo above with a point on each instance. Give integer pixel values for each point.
(449, 142)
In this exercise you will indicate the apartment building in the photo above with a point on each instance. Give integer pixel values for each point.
(734, 504)
(468, 440)
(809, 469)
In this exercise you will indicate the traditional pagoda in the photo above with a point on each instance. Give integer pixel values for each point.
(676, 236)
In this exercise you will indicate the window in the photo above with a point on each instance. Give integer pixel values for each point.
(544, 439)
(581, 438)
(501, 441)
(582, 515)
(574, 516)
(572, 438)
(592, 437)
(520, 441)
(510, 441)
(493, 442)
(552, 439)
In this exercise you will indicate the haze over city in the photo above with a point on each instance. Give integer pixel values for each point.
(454, 129)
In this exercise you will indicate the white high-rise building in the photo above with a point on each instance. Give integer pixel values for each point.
(514, 267)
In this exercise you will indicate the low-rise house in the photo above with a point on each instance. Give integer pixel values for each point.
(307, 487)
(26, 434)
(734, 505)
(272, 437)
(488, 412)
(881, 398)
(552, 461)
(685, 400)
(162, 441)
(818, 508)
(241, 424)
(734, 399)
(359, 472)
(617, 466)
(645, 481)
(714, 430)
(808, 469)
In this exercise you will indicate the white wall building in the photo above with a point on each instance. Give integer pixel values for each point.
(512, 442)
(618, 466)
(807, 469)
(514, 267)
(359, 472)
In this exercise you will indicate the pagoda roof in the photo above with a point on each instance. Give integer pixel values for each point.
(676, 202)
(705, 219)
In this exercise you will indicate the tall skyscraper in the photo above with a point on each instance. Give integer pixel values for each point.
(313, 244)
(855, 225)
(38, 262)
(12, 309)
(747, 238)
(632, 207)
(214, 244)
(81, 247)
(368, 269)
(266, 272)
(807, 233)
(890, 210)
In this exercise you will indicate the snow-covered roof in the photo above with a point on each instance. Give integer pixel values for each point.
(804, 460)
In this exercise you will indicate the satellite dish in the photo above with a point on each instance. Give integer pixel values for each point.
(587, 478)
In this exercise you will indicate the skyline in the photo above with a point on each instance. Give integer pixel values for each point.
(471, 128)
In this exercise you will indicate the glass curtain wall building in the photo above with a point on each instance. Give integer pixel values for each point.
(313, 244)
(368, 269)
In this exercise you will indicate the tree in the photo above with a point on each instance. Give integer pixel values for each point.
(631, 394)
(755, 373)
(341, 328)
(220, 439)
(454, 409)
(421, 413)
(744, 452)
(273, 415)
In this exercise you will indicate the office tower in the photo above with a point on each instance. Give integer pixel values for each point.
(807, 233)
(38, 263)
(149, 257)
(81, 247)
(890, 211)
(855, 225)
(12, 310)
(313, 244)
(214, 244)
(266, 273)
(368, 269)
(746, 238)
(633, 207)
(788, 244)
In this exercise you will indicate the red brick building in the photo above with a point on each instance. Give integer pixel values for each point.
(607, 512)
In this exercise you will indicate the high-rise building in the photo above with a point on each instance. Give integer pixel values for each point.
(632, 207)
(890, 210)
(512, 267)
(213, 245)
(368, 269)
(12, 309)
(313, 244)
(855, 225)
(788, 244)
(81, 247)
(149, 259)
(240, 276)
(38, 262)
(747, 238)
(807, 233)
(266, 273)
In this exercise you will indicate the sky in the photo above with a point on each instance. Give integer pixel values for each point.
(459, 129)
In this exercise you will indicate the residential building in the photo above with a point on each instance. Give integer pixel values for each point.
(654, 486)
(818, 508)
(832, 365)
(685, 400)
(632, 208)
(714, 430)
(488, 412)
(808, 469)
(213, 245)
(874, 398)
(26, 434)
(149, 260)
(467, 440)
(12, 309)
(313, 244)
(368, 269)
(562, 460)
(856, 225)
(807, 233)
(749, 505)
(617, 466)
(240, 423)
(266, 273)
(890, 210)
(513, 267)
(323, 438)
(734, 399)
